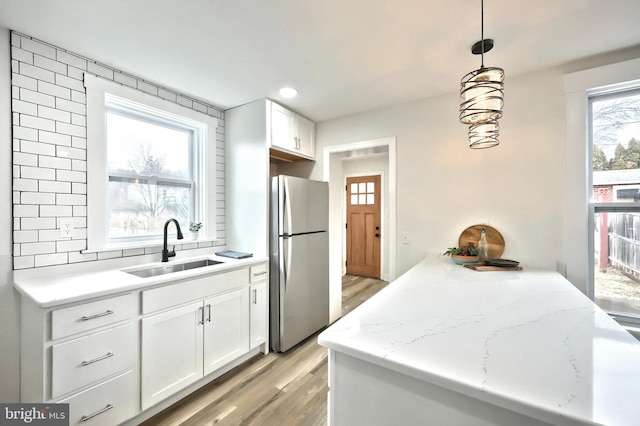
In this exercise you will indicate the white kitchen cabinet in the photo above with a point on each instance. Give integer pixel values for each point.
(292, 133)
(172, 351)
(257, 314)
(84, 354)
(226, 329)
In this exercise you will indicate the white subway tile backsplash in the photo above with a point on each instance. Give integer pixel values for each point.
(23, 159)
(71, 59)
(100, 70)
(50, 152)
(54, 186)
(51, 259)
(55, 211)
(22, 262)
(36, 97)
(23, 210)
(71, 176)
(37, 148)
(37, 198)
(37, 173)
(37, 248)
(71, 199)
(22, 81)
(54, 138)
(37, 73)
(71, 106)
(49, 64)
(54, 114)
(54, 162)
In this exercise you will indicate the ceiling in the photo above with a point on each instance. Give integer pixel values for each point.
(343, 57)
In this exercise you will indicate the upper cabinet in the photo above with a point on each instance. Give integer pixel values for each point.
(292, 136)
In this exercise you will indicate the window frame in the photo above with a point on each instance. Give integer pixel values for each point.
(102, 96)
(595, 207)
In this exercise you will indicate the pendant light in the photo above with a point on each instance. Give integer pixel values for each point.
(481, 96)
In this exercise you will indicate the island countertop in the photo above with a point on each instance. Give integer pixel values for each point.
(526, 341)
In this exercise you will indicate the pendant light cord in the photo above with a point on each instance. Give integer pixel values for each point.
(482, 32)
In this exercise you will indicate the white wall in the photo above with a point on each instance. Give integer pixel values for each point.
(9, 307)
(443, 186)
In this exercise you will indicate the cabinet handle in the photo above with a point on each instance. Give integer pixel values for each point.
(201, 312)
(255, 296)
(102, 314)
(97, 413)
(100, 358)
(209, 310)
(257, 274)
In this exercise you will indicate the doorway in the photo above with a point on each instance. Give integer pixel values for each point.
(363, 226)
(337, 165)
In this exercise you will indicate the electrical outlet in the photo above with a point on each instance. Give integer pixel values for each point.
(66, 228)
(405, 238)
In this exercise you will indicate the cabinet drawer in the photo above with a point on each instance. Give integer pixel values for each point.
(196, 289)
(86, 360)
(88, 316)
(258, 273)
(110, 403)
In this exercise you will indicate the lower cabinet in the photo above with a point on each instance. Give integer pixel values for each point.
(184, 344)
(258, 314)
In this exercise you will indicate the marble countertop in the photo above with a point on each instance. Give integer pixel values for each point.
(528, 341)
(53, 289)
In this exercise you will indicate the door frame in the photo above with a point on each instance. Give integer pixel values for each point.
(383, 224)
(336, 223)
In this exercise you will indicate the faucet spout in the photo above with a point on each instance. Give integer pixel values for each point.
(166, 254)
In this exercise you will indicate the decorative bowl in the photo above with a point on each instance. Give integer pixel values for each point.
(461, 260)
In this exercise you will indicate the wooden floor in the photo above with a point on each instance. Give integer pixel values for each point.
(275, 389)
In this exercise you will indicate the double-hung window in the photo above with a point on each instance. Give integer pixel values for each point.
(149, 160)
(615, 201)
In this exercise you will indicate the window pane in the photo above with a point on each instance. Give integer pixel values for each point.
(370, 186)
(617, 262)
(362, 199)
(140, 208)
(362, 187)
(146, 148)
(354, 200)
(354, 188)
(370, 199)
(615, 134)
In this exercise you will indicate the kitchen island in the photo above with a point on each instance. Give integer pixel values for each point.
(446, 345)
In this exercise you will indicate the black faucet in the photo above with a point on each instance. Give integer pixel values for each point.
(166, 254)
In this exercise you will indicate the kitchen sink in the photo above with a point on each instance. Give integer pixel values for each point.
(175, 267)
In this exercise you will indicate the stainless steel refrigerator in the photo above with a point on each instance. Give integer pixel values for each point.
(299, 256)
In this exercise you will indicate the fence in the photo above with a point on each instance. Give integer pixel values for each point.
(624, 243)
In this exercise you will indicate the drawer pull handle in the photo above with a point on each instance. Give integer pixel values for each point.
(97, 413)
(100, 358)
(257, 274)
(102, 314)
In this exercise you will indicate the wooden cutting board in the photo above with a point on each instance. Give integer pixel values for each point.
(494, 238)
(481, 267)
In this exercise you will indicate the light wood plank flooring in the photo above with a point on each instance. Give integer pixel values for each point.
(275, 389)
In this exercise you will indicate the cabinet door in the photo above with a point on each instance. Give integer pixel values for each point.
(226, 328)
(171, 352)
(306, 131)
(282, 128)
(257, 314)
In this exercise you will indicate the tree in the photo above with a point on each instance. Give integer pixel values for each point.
(608, 118)
(151, 196)
(600, 162)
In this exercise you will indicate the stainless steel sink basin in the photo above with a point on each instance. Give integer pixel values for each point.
(174, 267)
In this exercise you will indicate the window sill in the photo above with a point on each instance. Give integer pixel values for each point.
(151, 245)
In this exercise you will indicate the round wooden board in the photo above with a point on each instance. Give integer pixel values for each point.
(494, 237)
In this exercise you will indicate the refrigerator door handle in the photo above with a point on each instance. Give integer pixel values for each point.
(287, 208)
(283, 264)
(288, 263)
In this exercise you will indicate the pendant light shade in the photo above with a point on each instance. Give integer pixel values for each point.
(482, 95)
(484, 135)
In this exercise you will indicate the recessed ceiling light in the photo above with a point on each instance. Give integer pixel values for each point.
(288, 92)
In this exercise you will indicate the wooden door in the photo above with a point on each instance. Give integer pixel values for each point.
(363, 226)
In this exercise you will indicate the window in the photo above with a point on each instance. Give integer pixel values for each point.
(615, 201)
(149, 160)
